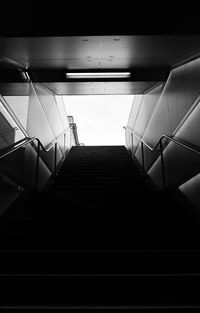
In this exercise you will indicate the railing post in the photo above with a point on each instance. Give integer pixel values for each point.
(132, 144)
(37, 166)
(162, 165)
(55, 158)
(64, 143)
(70, 136)
(143, 165)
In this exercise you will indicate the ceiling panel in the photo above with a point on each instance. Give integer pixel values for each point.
(107, 88)
(99, 51)
(14, 89)
(135, 53)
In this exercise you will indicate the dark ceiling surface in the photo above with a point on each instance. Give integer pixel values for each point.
(79, 18)
(48, 58)
(99, 52)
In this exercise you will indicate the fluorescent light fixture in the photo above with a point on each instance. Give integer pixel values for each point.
(87, 75)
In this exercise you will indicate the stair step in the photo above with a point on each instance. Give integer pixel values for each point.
(100, 262)
(110, 241)
(99, 238)
(98, 183)
(75, 287)
(167, 303)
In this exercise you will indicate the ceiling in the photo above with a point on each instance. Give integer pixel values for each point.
(149, 58)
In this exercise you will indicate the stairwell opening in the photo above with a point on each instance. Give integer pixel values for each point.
(100, 118)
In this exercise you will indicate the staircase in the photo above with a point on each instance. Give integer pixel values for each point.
(100, 237)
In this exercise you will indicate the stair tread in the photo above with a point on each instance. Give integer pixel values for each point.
(98, 229)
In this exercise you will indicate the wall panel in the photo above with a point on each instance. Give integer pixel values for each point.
(62, 110)
(9, 132)
(181, 90)
(191, 189)
(30, 158)
(133, 117)
(134, 110)
(37, 123)
(147, 107)
(182, 165)
(146, 110)
(19, 105)
(49, 106)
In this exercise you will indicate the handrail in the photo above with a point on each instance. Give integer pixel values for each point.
(55, 140)
(26, 141)
(74, 127)
(23, 144)
(171, 138)
(139, 138)
(29, 140)
(12, 145)
(159, 143)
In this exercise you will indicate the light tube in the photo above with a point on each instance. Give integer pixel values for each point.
(87, 75)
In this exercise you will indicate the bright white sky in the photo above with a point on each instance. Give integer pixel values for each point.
(100, 119)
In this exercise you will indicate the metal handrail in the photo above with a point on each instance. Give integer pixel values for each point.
(74, 128)
(26, 141)
(55, 140)
(4, 150)
(160, 144)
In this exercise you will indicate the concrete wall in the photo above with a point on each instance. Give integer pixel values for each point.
(42, 115)
(176, 111)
